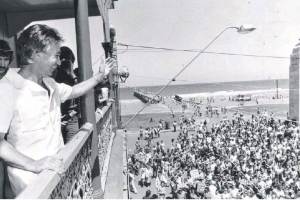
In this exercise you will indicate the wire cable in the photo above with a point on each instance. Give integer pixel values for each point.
(182, 70)
(196, 50)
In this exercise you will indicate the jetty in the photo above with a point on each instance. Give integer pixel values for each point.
(147, 97)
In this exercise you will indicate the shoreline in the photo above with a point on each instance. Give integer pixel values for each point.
(231, 108)
(143, 119)
(214, 99)
(258, 93)
(265, 101)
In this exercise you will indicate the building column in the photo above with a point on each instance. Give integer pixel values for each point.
(107, 45)
(87, 102)
(116, 88)
(294, 84)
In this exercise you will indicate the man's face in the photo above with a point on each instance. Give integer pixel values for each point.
(48, 60)
(4, 62)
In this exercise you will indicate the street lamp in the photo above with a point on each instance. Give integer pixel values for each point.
(243, 29)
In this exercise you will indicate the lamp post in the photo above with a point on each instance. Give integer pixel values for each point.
(243, 29)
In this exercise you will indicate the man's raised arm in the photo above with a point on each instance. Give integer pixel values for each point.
(83, 87)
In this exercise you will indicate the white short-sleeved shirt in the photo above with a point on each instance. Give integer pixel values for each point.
(33, 120)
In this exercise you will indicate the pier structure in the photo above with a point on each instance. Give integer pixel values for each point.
(147, 97)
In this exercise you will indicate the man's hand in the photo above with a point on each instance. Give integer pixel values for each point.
(84, 86)
(105, 69)
(50, 163)
(109, 65)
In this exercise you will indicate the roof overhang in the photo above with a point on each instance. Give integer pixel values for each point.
(43, 5)
(21, 12)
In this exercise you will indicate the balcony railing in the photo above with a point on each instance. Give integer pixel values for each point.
(76, 182)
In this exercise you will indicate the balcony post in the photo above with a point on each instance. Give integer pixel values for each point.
(107, 46)
(116, 88)
(87, 102)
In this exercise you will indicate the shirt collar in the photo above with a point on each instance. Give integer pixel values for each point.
(4, 73)
(16, 79)
(50, 84)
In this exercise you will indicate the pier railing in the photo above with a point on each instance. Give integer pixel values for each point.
(76, 182)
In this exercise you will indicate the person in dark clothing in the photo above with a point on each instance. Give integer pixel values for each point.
(147, 195)
(69, 109)
(174, 126)
(65, 72)
(6, 57)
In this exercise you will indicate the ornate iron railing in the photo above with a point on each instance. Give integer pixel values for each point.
(105, 140)
(76, 182)
(104, 129)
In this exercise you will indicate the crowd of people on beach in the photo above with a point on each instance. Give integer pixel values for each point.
(244, 157)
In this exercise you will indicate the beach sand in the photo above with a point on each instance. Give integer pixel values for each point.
(262, 100)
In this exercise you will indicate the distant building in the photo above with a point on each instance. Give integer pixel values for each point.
(294, 84)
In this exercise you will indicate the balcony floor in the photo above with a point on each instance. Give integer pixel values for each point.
(115, 176)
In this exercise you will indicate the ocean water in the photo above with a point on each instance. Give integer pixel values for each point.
(131, 105)
(127, 93)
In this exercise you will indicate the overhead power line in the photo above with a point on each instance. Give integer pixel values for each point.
(194, 50)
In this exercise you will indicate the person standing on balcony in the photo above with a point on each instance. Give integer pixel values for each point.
(6, 57)
(32, 117)
(69, 109)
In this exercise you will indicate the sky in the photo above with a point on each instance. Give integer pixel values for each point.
(192, 24)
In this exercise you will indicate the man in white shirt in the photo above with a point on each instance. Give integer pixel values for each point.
(30, 106)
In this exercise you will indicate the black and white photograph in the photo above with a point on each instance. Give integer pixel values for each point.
(149, 99)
